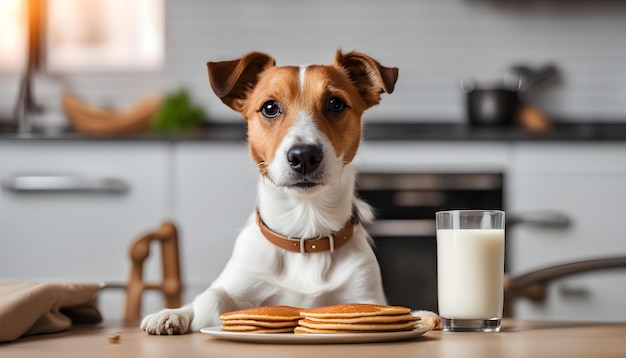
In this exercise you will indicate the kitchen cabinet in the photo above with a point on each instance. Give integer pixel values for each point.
(80, 232)
(586, 183)
(214, 193)
(83, 234)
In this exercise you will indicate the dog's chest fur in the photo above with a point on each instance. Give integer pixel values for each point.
(277, 276)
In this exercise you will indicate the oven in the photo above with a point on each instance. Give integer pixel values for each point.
(404, 230)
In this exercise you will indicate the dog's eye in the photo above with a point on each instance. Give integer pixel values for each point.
(271, 110)
(335, 104)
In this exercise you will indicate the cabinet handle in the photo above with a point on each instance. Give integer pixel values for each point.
(58, 183)
(574, 292)
(549, 219)
(402, 228)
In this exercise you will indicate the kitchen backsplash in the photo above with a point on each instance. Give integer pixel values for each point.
(433, 42)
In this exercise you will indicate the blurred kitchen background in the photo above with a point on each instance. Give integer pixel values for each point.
(108, 126)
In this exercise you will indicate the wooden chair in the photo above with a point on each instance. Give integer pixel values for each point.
(532, 285)
(170, 286)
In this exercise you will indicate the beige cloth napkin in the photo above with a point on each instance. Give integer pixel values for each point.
(28, 308)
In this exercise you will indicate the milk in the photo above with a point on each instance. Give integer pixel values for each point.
(470, 269)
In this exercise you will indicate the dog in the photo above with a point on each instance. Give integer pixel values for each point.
(305, 244)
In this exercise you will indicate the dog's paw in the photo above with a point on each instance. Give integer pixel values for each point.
(428, 319)
(167, 321)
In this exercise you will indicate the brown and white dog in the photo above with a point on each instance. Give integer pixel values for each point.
(305, 245)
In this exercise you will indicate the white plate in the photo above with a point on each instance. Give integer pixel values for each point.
(216, 332)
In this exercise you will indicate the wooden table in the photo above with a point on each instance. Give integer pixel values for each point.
(517, 339)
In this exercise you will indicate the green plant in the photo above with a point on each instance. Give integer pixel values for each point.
(177, 114)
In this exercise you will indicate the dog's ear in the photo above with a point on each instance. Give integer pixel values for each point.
(232, 80)
(369, 76)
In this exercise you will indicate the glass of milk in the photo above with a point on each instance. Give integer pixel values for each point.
(470, 269)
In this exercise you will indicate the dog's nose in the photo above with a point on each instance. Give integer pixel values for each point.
(305, 158)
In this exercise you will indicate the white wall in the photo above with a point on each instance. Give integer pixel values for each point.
(433, 42)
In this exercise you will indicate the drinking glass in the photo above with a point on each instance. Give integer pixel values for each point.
(470, 269)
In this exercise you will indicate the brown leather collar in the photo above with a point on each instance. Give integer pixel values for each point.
(303, 246)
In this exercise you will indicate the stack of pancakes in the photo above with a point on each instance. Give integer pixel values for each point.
(356, 318)
(343, 318)
(266, 319)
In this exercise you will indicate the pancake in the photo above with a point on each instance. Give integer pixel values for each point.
(255, 329)
(360, 327)
(265, 319)
(257, 323)
(353, 310)
(368, 319)
(356, 318)
(306, 330)
(265, 314)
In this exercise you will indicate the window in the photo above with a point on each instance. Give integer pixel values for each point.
(86, 35)
(104, 35)
(13, 35)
